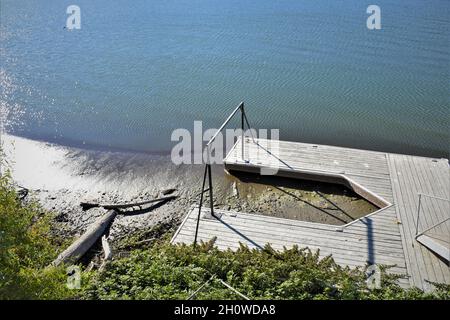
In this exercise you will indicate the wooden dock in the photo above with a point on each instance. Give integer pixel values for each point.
(388, 236)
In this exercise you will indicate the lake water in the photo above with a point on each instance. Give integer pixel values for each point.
(137, 70)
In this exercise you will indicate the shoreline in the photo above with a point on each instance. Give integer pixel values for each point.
(397, 148)
(60, 177)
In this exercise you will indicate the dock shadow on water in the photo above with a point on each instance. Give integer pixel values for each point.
(294, 199)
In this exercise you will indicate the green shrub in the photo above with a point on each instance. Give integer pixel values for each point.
(26, 249)
(175, 271)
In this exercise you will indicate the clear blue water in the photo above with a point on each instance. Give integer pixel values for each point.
(139, 69)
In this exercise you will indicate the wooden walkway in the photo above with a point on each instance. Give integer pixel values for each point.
(410, 176)
(387, 236)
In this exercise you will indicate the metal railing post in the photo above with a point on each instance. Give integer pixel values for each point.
(208, 165)
(211, 199)
(418, 214)
(200, 207)
(242, 133)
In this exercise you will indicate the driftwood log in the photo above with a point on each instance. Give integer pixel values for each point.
(89, 205)
(77, 249)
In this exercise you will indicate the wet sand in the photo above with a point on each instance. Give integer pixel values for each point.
(59, 178)
(296, 199)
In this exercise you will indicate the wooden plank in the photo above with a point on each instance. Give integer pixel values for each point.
(412, 191)
(435, 186)
(394, 182)
(260, 240)
(293, 162)
(416, 264)
(233, 244)
(435, 246)
(356, 229)
(313, 163)
(348, 234)
(243, 220)
(432, 218)
(433, 213)
(413, 175)
(308, 146)
(391, 246)
(389, 178)
(362, 157)
(335, 162)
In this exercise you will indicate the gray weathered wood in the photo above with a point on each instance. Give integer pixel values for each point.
(387, 236)
(80, 246)
(441, 249)
(89, 205)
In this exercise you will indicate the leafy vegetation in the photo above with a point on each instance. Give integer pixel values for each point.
(26, 249)
(164, 271)
(175, 271)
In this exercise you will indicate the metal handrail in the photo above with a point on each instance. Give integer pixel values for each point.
(433, 226)
(418, 214)
(239, 107)
(208, 163)
(434, 197)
